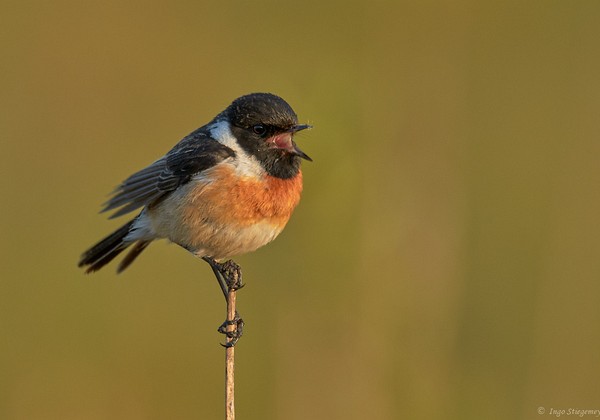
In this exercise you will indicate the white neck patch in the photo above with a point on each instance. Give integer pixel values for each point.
(245, 164)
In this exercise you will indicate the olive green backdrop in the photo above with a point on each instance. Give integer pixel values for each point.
(443, 263)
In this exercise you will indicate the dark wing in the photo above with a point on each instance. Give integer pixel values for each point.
(192, 155)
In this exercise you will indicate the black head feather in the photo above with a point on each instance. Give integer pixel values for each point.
(258, 116)
(261, 108)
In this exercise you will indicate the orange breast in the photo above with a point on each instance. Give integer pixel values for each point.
(243, 201)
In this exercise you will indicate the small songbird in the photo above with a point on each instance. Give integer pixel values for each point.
(226, 189)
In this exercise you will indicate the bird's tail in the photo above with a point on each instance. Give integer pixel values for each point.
(108, 248)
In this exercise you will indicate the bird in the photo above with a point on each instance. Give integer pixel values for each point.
(226, 189)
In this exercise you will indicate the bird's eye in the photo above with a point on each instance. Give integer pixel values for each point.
(259, 129)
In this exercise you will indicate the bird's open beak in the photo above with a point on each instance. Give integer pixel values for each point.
(295, 149)
(284, 141)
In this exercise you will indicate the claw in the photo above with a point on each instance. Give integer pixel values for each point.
(234, 335)
(228, 274)
(232, 274)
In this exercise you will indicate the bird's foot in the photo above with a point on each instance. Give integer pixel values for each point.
(228, 274)
(233, 335)
(232, 273)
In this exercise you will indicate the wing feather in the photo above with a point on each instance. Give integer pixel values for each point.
(192, 155)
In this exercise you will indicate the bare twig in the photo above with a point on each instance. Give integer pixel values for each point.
(230, 355)
(229, 276)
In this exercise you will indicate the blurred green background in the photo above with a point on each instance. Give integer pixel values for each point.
(442, 264)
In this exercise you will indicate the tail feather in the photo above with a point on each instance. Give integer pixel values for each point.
(108, 248)
(105, 258)
(132, 255)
